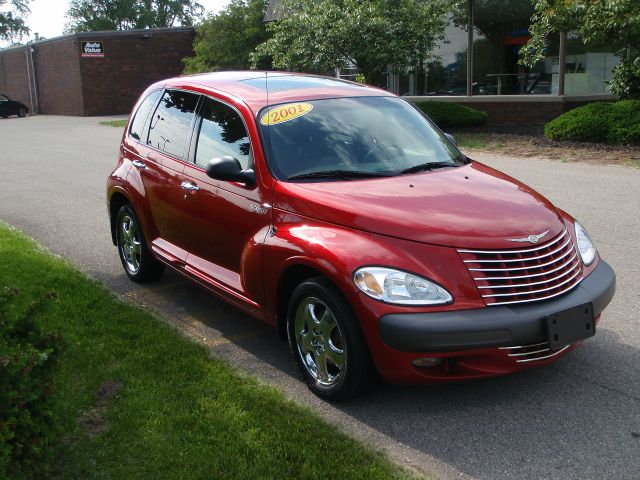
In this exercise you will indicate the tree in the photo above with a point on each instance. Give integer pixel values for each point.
(226, 40)
(94, 15)
(12, 26)
(165, 13)
(320, 35)
(599, 23)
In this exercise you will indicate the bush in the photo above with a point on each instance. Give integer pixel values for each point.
(615, 123)
(452, 115)
(27, 356)
(625, 81)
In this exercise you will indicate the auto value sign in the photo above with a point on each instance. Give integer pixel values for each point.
(92, 49)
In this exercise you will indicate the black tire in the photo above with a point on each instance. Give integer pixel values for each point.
(356, 373)
(22, 112)
(137, 260)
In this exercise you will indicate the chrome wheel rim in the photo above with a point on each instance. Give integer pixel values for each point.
(320, 341)
(129, 241)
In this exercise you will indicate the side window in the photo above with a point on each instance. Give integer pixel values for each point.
(142, 113)
(171, 122)
(3, 98)
(222, 132)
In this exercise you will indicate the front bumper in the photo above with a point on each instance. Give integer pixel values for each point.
(488, 327)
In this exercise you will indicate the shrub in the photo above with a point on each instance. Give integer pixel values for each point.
(586, 124)
(614, 123)
(625, 81)
(27, 356)
(452, 115)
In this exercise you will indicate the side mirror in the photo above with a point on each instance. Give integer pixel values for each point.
(451, 138)
(229, 169)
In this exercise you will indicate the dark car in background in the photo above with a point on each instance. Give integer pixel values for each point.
(10, 107)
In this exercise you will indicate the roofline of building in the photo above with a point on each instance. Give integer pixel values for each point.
(102, 33)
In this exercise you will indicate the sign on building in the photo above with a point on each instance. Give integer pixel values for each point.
(92, 49)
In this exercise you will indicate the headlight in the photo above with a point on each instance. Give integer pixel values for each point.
(585, 245)
(395, 286)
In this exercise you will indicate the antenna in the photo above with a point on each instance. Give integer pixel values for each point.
(266, 86)
(266, 89)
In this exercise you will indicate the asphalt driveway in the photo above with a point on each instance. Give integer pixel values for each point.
(579, 418)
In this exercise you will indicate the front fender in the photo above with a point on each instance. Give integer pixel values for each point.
(336, 252)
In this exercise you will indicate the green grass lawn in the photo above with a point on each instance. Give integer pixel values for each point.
(180, 414)
(472, 140)
(115, 123)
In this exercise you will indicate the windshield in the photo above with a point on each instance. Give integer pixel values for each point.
(350, 138)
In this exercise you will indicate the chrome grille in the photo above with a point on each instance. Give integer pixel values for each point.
(525, 275)
(532, 352)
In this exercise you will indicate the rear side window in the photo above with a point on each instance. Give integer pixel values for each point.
(140, 118)
(171, 122)
(222, 133)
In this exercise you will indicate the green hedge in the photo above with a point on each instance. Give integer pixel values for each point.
(27, 357)
(615, 123)
(452, 115)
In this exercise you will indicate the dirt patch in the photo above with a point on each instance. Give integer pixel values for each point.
(538, 146)
(94, 420)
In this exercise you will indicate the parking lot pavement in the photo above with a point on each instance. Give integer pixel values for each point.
(579, 418)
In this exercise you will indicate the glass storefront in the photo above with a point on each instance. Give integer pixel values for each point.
(500, 30)
(588, 68)
(499, 34)
(446, 73)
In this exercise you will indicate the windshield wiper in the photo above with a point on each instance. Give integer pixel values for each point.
(428, 166)
(341, 174)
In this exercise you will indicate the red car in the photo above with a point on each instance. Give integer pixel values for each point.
(345, 218)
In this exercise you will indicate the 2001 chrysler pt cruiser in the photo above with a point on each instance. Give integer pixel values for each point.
(343, 216)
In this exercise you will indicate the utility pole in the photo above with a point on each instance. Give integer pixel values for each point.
(470, 49)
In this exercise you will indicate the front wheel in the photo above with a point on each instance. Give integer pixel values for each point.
(135, 256)
(22, 112)
(326, 341)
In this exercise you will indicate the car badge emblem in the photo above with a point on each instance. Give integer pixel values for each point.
(258, 209)
(530, 238)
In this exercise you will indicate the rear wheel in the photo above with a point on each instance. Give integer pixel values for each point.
(137, 260)
(22, 112)
(326, 342)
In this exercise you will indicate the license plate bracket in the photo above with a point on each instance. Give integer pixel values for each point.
(570, 325)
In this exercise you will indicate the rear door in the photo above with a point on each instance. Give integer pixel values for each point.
(160, 154)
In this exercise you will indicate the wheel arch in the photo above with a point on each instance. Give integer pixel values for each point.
(116, 201)
(293, 274)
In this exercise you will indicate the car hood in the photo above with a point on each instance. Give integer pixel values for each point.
(473, 206)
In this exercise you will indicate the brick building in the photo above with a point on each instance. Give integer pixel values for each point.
(95, 73)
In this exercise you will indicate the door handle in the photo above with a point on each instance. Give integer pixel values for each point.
(190, 186)
(139, 165)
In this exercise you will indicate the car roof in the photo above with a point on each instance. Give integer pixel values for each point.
(249, 86)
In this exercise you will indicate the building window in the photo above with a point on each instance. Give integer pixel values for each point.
(499, 34)
(588, 68)
(446, 73)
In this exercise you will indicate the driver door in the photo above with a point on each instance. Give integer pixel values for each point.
(225, 222)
